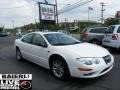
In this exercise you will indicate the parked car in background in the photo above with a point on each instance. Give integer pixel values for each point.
(112, 37)
(93, 35)
(19, 35)
(3, 34)
(64, 31)
(64, 55)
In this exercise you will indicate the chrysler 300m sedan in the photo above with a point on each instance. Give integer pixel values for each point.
(64, 55)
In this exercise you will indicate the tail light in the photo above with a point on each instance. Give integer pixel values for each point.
(84, 34)
(114, 37)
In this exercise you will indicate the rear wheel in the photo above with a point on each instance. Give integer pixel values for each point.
(18, 55)
(59, 68)
(95, 42)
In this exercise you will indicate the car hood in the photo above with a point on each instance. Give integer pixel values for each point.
(84, 50)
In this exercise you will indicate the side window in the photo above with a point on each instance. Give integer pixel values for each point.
(98, 30)
(38, 40)
(84, 30)
(102, 30)
(118, 31)
(111, 29)
(28, 38)
(94, 31)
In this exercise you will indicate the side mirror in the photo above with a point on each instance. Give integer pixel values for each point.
(44, 45)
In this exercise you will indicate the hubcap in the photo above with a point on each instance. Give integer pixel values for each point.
(58, 69)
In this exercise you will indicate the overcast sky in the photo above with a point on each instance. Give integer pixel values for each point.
(21, 12)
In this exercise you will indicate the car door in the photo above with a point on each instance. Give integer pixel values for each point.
(40, 51)
(97, 33)
(108, 34)
(26, 46)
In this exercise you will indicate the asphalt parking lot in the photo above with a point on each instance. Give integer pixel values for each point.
(43, 80)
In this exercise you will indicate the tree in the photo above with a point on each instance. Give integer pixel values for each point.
(111, 21)
(1, 29)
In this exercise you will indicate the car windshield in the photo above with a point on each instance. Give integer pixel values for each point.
(58, 39)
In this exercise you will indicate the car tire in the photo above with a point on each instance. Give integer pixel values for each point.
(95, 42)
(18, 55)
(59, 68)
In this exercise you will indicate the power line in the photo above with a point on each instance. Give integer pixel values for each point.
(74, 6)
(70, 5)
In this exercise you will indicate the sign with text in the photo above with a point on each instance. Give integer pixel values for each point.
(47, 12)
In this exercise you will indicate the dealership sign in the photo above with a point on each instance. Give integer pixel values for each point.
(47, 12)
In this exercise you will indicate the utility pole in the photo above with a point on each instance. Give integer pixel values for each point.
(66, 24)
(13, 24)
(102, 12)
(13, 27)
(40, 21)
(56, 12)
(35, 25)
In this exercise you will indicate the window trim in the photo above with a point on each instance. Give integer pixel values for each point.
(118, 29)
(113, 28)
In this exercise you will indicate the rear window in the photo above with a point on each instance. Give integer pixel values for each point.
(118, 31)
(98, 30)
(84, 30)
(111, 29)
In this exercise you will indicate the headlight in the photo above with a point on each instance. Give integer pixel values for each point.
(89, 61)
(96, 60)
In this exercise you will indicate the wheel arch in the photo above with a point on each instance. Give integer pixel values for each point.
(95, 39)
(63, 59)
(55, 55)
(17, 47)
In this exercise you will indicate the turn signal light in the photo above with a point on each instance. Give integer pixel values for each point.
(84, 69)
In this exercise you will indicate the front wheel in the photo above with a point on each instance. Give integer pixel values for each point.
(59, 68)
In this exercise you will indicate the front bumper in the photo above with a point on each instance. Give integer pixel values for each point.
(94, 74)
(97, 70)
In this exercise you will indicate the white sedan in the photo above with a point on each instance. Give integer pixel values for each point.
(64, 55)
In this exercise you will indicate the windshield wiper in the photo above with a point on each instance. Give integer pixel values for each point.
(60, 44)
(77, 42)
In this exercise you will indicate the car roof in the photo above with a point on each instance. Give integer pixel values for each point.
(116, 25)
(97, 27)
(40, 32)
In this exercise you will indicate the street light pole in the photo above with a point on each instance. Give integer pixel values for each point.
(102, 11)
(89, 9)
(88, 16)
